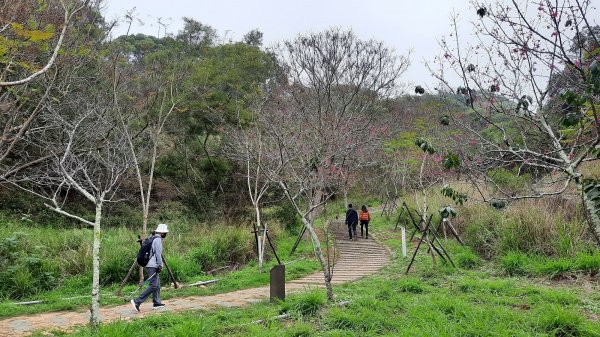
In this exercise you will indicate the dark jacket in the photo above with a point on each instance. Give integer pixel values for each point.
(351, 216)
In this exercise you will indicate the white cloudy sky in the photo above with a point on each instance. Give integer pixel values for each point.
(402, 24)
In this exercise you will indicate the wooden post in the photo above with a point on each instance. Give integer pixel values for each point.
(277, 283)
(175, 285)
(444, 220)
(403, 241)
(273, 248)
(122, 284)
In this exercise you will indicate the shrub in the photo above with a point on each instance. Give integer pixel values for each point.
(286, 215)
(183, 267)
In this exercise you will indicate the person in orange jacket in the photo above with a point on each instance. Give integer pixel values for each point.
(364, 218)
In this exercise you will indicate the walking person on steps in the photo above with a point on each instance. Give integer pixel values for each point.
(154, 267)
(351, 221)
(364, 218)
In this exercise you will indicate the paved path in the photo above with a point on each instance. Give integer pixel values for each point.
(356, 259)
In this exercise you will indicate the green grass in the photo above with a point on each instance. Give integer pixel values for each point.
(478, 299)
(188, 256)
(428, 302)
(517, 263)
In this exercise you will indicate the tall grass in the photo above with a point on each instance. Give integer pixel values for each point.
(549, 227)
(39, 258)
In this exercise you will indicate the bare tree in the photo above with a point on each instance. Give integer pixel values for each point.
(246, 147)
(88, 157)
(27, 79)
(523, 122)
(315, 124)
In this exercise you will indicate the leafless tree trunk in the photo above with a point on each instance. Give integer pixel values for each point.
(88, 155)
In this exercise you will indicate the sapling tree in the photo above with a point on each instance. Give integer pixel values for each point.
(317, 122)
(88, 157)
(532, 83)
(85, 153)
(247, 147)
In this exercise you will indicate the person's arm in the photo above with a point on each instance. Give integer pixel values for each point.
(158, 252)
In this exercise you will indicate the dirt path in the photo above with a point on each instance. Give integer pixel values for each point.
(356, 259)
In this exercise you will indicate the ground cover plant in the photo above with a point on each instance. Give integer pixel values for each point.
(477, 299)
(51, 265)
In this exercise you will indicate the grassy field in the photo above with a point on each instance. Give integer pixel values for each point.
(478, 299)
(63, 255)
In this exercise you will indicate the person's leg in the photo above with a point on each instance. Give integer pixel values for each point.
(362, 223)
(156, 293)
(151, 286)
(354, 230)
(350, 230)
(367, 229)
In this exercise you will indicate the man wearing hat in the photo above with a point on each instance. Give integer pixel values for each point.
(153, 268)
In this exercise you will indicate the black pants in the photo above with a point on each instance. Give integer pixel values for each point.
(352, 229)
(365, 224)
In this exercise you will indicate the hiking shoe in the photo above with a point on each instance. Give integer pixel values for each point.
(158, 306)
(135, 305)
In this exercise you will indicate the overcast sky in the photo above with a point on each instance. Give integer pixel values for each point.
(401, 24)
(404, 25)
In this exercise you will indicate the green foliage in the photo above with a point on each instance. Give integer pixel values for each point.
(548, 227)
(508, 181)
(223, 246)
(24, 271)
(518, 263)
(444, 120)
(432, 302)
(558, 321)
(467, 259)
(287, 215)
(450, 161)
(459, 198)
(514, 263)
(410, 286)
(447, 211)
(305, 305)
(424, 145)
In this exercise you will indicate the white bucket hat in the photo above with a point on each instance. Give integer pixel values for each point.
(162, 228)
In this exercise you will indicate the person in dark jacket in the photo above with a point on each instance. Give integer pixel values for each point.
(352, 221)
(153, 268)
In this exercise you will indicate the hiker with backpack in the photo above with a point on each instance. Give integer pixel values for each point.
(364, 218)
(351, 221)
(150, 257)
